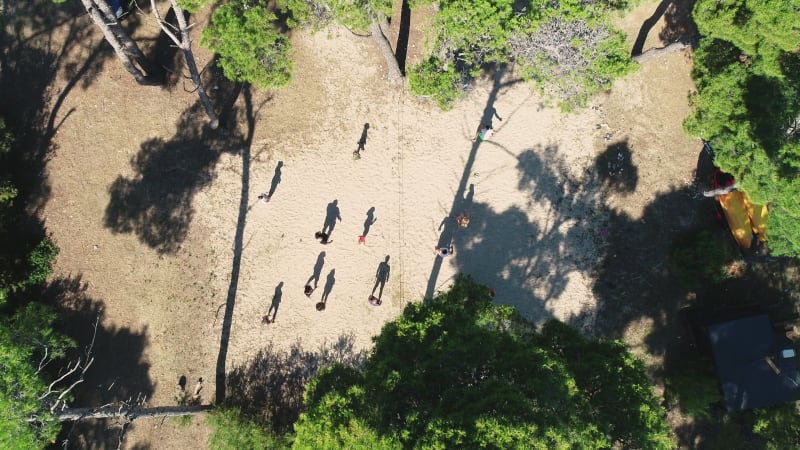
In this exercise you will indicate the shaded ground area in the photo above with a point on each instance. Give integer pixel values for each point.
(271, 385)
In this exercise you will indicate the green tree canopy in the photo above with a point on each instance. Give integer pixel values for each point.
(747, 72)
(567, 47)
(25, 420)
(251, 50)
(27, 338)
(458, 372)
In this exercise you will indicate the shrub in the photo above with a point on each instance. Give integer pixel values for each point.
(250, 48)
(233, 432)
(699, 259)
(693, 387)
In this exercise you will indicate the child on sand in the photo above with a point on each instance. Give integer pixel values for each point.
(463, 220)
(485, 132)
(444, 252)
(264, 197)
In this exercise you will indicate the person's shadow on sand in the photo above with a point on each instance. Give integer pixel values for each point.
(381, 277)
(276, 302)
(276, 179)
(317, 270)
(326, 291)
(331, 216)
(369, 221)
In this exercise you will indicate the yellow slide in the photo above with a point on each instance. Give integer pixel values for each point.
(744, 218)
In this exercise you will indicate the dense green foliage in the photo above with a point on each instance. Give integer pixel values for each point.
(22, 338)
(747, 72)
(251, 50)
(26, 329)
(778, 426)
(693, 386)
(699, 259)
(233, 432)
(22, 263)
(357, 15)
(567, 47)
(458, 372)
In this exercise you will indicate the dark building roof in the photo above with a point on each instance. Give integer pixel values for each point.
(741, 348)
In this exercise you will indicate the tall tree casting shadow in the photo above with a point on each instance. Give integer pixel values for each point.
(529, 264)
(156, 203)
(250, 114)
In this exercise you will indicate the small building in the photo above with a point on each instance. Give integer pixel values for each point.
(757, 366)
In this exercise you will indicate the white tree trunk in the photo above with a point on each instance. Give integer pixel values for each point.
(98, 18)
(654, 52)
(122, 44)
(185, 44)
(128, 43)
(395, 75)
(129, 413)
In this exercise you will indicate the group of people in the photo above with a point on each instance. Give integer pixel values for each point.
(462, 220)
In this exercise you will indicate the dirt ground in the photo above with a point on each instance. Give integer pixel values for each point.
(163, 237)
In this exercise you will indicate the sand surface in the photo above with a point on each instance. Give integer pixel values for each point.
(532, 192)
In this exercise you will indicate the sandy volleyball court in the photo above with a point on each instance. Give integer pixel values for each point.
(534, 193)
(531, 236)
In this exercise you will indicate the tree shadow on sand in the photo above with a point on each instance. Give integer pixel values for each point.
(33, 52)
(270, 386)
(156, 202)
(119, 372)
(527, 263)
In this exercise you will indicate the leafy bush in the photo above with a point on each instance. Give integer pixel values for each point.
(356, 15)
(437, 80)
(693, 387)
(250, 48)
(571, 59)
(778, 426)
(567, 47)
(233, 432)
(699, 259)
(23, 338)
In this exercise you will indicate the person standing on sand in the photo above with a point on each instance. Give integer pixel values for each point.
(485, 132)
(444, 252)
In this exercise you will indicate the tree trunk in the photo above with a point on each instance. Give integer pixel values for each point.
(185, 44)
(654, 52)
(123, 37)
(130, 413)
(105, 23)
(395, 75)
